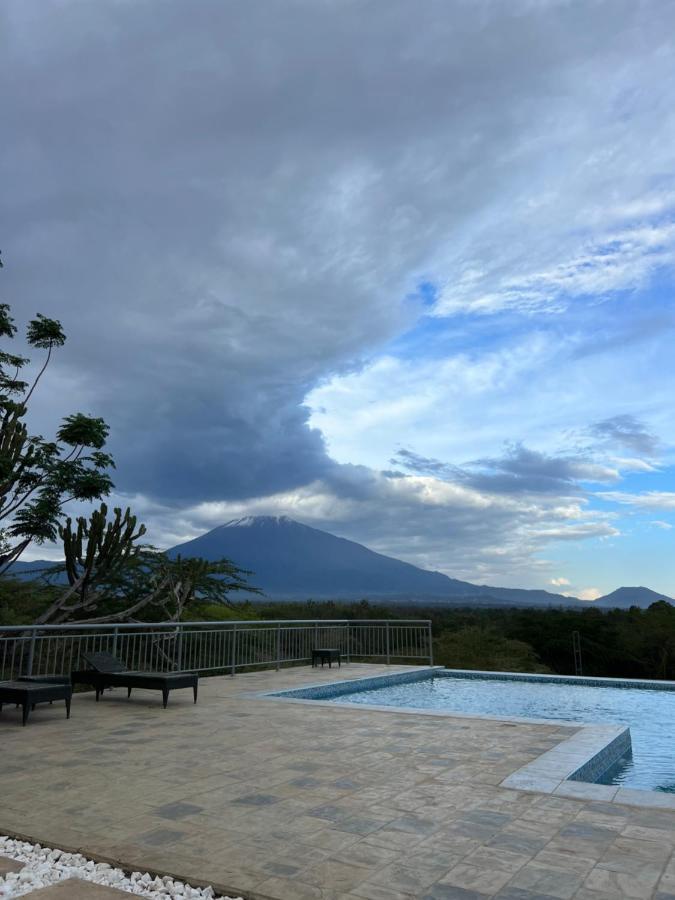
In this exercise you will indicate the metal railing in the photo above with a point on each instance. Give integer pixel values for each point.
(224, 647)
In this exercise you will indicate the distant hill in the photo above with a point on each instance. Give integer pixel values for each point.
(294, 561)
(625, 597)
(35, 569)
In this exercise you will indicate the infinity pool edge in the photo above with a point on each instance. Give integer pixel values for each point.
(591, 750)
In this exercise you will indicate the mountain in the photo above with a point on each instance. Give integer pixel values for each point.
(35, 569)
(291, 560)
(625, 597)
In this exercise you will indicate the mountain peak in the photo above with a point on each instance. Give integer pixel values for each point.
(257, 521)
(625, 597)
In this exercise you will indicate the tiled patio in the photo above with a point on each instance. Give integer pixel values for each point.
(283, 800)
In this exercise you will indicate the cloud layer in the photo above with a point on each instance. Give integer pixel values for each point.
(232, 208)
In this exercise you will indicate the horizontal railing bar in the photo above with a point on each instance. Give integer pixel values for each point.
(229, 623)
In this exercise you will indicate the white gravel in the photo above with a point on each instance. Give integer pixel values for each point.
(44, 866)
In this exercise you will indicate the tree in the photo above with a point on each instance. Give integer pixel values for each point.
(484, 647)
(37, 476)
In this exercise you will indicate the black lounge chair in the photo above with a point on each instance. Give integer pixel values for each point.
(27, 695)
(109, 671)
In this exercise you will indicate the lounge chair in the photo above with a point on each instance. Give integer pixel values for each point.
(109, 671)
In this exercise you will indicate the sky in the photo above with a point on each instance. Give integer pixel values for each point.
(402, 271)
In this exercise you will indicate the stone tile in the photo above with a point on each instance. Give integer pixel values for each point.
(622, 884)
(77, 889)
(256, 800)
(452, 892)
(368, 855)
(408, 879)
(8, 865)
(336, 876)
(541, 879)
(289, 889)
(369, 890)
(357, 825)
(512, 893)
(160, 837)
(567, 860)
(476, 878)
(412, 824)
(517, 842)
(177, 810)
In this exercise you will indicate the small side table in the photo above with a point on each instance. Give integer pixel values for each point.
(27, 695)
(326, 654)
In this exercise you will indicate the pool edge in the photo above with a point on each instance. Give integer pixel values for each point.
(558, 771)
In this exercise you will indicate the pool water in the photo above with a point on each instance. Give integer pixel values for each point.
(650, 714)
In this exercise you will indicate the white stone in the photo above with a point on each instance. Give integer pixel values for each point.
(45, 866)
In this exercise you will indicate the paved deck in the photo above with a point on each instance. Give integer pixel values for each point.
(295, 802)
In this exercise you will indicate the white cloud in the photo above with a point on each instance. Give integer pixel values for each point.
(651, 500)
(559, 582)
(665, 526)
(590, 593)
(633, 464)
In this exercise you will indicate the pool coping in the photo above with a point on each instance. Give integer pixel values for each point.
(591, 749)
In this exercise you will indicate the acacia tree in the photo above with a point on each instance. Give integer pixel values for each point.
(149, 586)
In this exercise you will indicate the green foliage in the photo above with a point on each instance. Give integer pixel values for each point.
(24, 601)
(633, 643)
(38, 476)
(44, 333)
(483, 647)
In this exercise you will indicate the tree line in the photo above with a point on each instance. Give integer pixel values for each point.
(632, 643)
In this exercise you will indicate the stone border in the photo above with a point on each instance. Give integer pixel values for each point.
(561, 771)
(619, 683)
(326, 690)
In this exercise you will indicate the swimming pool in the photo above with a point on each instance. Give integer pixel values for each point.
(649, 713)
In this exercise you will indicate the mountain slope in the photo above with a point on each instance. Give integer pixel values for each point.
(293, 560)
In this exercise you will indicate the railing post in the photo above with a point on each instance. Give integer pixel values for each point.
(349, 640)
(388, 648)
(234, 649)
(431, 644)
(114, 646)
(278, 646)
(179, 649)
(31, 653)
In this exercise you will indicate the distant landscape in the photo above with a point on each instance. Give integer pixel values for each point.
(292, 561)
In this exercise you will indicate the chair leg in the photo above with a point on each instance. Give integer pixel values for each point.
(98, 693)
(194, 691)
(26, 710)
(128, 692)
(68, 699)
(165, 696)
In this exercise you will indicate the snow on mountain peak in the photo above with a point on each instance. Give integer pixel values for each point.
(250, 521)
